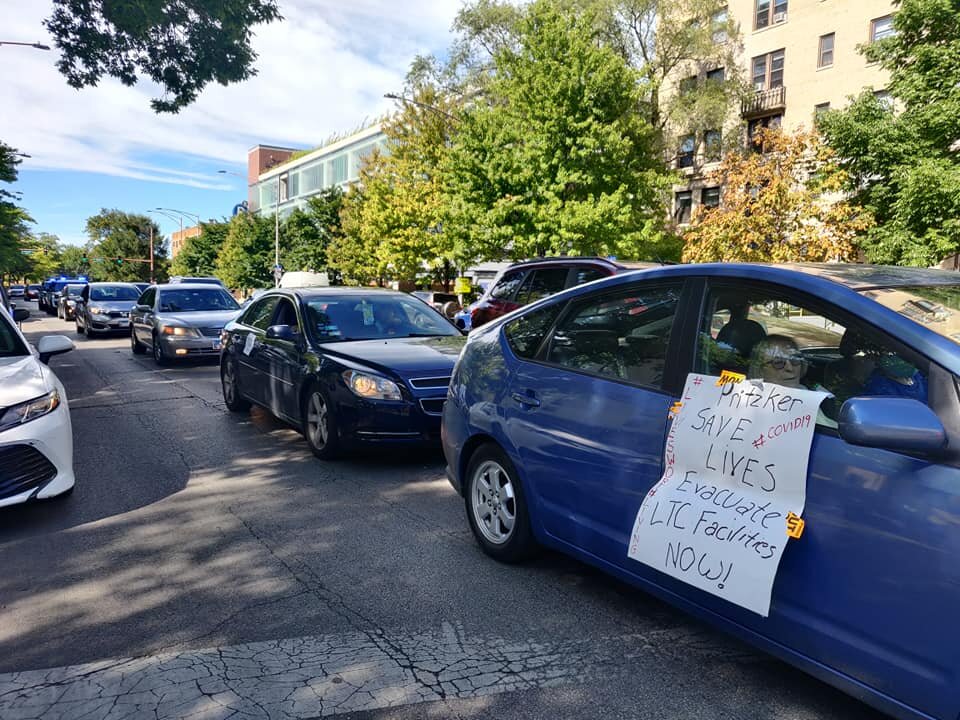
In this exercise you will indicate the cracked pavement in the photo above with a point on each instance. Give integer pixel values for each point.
(208, 566)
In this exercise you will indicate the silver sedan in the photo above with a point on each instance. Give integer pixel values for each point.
(180, 321)
(105, 307)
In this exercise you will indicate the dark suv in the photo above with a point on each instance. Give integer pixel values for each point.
(527, 281)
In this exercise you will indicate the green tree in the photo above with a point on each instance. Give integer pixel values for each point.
(246, 257)
(71, 260)
(181, 46)
(559, 157)
(46, 257)
(116, 234)
(307, 233)
(901, 156)
(353, 255)
(14, 220)
(198, 254)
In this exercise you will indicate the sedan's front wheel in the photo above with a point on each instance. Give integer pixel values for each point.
(319, 424)
(232, 398)
(159, 356)
(496, 506)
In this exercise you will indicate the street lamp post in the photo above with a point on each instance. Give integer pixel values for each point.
(37, 45)
(411, 101)
(160, 211)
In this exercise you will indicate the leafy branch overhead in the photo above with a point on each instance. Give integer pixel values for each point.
(181, 46)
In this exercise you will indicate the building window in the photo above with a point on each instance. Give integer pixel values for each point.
(687, 148)
(338, 169)
(884, 98)
(712, 145)
(311, 178)
(819, 110)
(825, 57)
(710, 197)
(682, 206)
(283, 183)
(688, 85)
(882, 28)
(768, 70)
(718, 21)
(768, 122)
(769, 12)
(717, 75)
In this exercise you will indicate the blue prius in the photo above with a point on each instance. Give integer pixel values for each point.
(557, 415)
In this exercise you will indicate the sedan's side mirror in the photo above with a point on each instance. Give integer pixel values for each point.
(142, 308)
(20, 314)
(51, 345)
(892, 424)
(281, 332)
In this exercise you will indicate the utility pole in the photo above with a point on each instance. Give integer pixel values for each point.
(276, 238)
(152, 279)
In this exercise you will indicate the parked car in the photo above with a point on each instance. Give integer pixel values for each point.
(348, 366)
(36, 437)
(104, 307)
(208, 280)
(179, 321)
(32, 292)
(525, 282)
(447, 303)
(556, 419)
(69, 297)
(16, 291)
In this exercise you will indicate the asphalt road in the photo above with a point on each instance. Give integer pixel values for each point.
(208, 566)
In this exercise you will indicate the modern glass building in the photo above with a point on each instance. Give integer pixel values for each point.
(278, 182)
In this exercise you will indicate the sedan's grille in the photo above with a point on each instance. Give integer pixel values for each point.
(119, 314)
(433, 406)
(430, 382)
(210, 331)
(23, 468)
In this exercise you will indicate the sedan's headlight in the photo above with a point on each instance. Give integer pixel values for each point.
(177, 330)
(371, 387)
(71, 303)
(30, 410)
(97, 310)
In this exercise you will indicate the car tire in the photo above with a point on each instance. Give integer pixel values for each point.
(59, 313)
(136, 346)
(232, 397)
(159, 356)
(80, 329)
(320, 424)
(497, 507)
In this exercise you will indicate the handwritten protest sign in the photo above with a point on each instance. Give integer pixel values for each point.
(735, 469)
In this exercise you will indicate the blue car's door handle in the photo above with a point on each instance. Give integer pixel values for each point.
(526, 400)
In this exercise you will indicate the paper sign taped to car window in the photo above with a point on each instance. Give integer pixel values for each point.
(735, 467)
(248, 343)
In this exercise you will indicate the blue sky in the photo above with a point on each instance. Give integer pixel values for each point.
(323, 70)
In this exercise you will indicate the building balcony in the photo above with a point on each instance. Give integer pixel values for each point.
(764, 102)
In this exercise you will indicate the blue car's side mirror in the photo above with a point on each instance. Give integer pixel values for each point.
(893, 424)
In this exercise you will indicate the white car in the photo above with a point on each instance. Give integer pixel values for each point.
(36, 437)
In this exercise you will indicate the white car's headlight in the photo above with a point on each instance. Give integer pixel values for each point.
(71, 303)
(371, 387)
(97, 310)
(177, 330)
(30, 410)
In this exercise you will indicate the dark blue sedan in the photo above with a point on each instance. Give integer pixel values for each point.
(349, 366)
(557, 417)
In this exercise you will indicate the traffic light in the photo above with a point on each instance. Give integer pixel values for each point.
(84, 260)
(119, 261)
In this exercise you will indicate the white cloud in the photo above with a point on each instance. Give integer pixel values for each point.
(324, 69)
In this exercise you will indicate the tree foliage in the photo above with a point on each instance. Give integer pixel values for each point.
(558, 158)
(779, 205)
(247, 254)
(117, 234)
(902, 157)
(14, 220)
(198, 254)
(307, 233)
(181, 46)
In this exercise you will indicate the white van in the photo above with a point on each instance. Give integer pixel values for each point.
(304, 279)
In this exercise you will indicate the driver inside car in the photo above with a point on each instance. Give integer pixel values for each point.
(392, 320)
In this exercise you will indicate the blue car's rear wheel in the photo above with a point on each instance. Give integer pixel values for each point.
(496, 506)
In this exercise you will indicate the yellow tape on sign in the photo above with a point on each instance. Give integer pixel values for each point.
(795, 525)
(728, 376)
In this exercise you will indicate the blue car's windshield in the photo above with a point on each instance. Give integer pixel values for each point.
(196, 299)
(373, 317)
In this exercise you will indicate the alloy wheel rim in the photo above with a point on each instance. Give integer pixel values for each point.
(317, 420)
(493, 502)
(157, 350)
